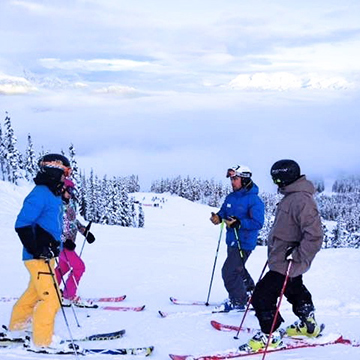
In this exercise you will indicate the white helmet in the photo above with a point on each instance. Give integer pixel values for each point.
(239, 170)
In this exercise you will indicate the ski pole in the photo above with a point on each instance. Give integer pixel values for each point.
(239, 245)
(249, 303)
(71, 304)
(216, 255)
(87, 229)
(73, 277)
(277, 308)
(47, 261)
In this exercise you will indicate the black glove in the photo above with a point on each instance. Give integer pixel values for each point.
(215, 219)
(90, 238)
(46, 241)
(289, 253)
(46, 253)
(69, 245)
(27, 237)
(233, 222)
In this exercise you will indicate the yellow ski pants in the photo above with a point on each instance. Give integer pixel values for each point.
(39, 303)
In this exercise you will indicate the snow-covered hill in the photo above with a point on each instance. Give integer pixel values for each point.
(173, 255)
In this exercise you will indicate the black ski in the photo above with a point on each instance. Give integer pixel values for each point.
(143, 351)
(6, 342)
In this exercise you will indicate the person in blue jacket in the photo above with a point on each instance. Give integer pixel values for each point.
(243, 213)
(39, 227)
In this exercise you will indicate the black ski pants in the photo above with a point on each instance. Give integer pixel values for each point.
(237, 279)
(267, 292)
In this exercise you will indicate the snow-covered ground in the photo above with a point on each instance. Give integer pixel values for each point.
(174, 256)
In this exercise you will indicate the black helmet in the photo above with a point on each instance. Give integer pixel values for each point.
(55, 165)
(51, 169)
(285, 172)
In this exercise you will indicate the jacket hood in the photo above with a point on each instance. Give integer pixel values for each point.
(54, 186)
(253, 190)
(301, 184)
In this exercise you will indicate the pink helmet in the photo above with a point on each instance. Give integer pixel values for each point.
(69, 186)
(68, 183)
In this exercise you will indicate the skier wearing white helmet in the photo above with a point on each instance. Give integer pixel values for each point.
(243, 213)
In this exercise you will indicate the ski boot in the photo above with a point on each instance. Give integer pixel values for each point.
(57, 346)
(305, 327)
(230, 305)
(13, 336)
(259, 340)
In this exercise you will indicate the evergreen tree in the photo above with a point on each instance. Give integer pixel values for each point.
(141, 217)
(2, 156)
(82, 195)
(125, 208)
(74, 166)
(30, 163)
(12, 155)
(91, 198)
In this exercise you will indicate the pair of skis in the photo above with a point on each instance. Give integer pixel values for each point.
(176, 301)
(89, 299)
(292, 344)
(92, 303)
(6, 342)
(144, 351)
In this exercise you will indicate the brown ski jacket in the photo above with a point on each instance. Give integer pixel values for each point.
(297, 225)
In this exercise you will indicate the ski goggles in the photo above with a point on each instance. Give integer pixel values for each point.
(58, 165)
(231, 173)
(70, 190)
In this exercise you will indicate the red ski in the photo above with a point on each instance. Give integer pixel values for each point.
(106, 299)
(93, 299)
(225, 327)
(113, 308)
(123, 308)
(290, 346)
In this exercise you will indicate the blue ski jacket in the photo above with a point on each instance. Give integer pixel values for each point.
(41, 207)
(247, 206)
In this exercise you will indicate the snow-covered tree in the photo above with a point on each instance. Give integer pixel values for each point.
(30, 163)
(12, 155)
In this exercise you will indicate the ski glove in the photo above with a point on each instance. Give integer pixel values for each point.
(215, 219)
(27, 237)
(47, 253)
(36, 242)
(69, 245)
(90, 238)
(233, 222)
(47, 244)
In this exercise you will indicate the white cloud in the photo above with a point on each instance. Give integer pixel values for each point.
(117, 90)
(287, 81)
(30, 6)
(97, 64)
(14, 85)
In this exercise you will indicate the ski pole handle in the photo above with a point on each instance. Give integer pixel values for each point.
(86, 232)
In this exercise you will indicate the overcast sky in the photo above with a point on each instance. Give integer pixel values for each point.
(159, 89)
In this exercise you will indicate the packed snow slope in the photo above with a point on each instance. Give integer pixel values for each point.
(173, 255)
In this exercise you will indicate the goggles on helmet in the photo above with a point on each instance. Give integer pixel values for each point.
(70, 190)
(239, 171)
(57, 165)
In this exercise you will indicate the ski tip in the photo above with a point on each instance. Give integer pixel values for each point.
(172, 299)
(162, 314)
(142, 308)
(215, 324)
(180, 357)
